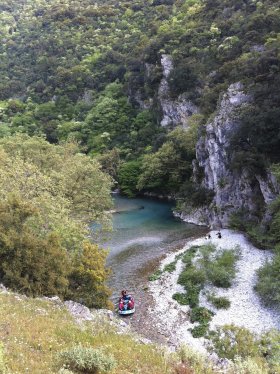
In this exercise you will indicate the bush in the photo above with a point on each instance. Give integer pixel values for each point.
(155, 276)
(268, 285)
(193, 280)
(86, 360)
(181, 298)
(201, 315)
(193, 362)
(206, 250)
(170, 267)
(231, 341)
(248, 366)
(239, 219)
(182, 79)
(219, 302)
(192, 276)
(195, 195)
(200, 330)
(87, 280)
(270, 349)
(189, 255)
(219, 276)
(221, 271)
(28, 262)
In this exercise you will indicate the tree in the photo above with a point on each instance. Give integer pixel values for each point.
(167, 169)
(29, 263)
(56, 192)
(35, 168)
(88, 276)
(128, 177)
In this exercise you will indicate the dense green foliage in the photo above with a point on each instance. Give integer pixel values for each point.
(77, 70)
(219, 302)
(31, 264)
(44, 248)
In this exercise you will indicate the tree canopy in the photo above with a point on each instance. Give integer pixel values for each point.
(48, 195)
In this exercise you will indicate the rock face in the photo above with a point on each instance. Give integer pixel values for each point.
(233, 189)
(174, 112)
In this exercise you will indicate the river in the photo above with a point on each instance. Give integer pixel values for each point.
(143, 231)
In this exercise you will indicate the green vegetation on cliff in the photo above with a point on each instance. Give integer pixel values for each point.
(80, 70)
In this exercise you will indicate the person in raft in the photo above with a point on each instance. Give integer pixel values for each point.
(125, 300)
(219, 234)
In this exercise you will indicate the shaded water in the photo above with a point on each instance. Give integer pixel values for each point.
(143, 230)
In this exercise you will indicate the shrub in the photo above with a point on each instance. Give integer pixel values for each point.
(86, 360)
(270, 349)
(192, 276)
(170, 267)
(194, 195)
(239, 219)
(206, 250)
(219, 302)
(200, 330)
(248, 366)
(231, 341)
(193, 296)
(192, 362)
(200, 314)
(269, 281)
(221, 271)
(181, 298)
(203, 316)
(189, 255)
(88, 277)
(193, 280)
(155, 276)
(181, 79)
(28, 262)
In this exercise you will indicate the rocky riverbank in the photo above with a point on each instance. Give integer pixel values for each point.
(171, 319)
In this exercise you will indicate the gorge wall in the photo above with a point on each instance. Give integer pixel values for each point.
(234, 190)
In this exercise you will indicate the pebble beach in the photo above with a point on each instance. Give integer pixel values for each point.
(246, 310)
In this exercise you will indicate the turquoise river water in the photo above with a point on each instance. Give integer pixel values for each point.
(143, 231)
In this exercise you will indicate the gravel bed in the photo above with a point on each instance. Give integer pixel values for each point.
(246, 310)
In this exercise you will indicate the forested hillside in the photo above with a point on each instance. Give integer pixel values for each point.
(91, 72)
(175, 98)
